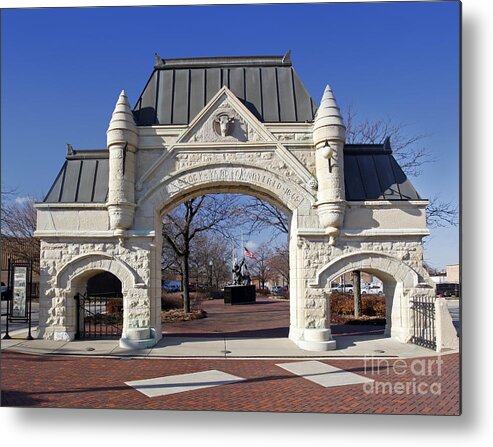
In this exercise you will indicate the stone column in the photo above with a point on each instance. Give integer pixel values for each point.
(329, 134)
(122, 140)
(317, 335)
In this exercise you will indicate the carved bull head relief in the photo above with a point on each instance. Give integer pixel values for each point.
(223, 124)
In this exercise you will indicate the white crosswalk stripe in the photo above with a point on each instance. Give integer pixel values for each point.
(163, 386)
(323, 374)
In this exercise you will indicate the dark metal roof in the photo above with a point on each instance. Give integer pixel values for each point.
(370, 172)
(82, 179)
(268, 86)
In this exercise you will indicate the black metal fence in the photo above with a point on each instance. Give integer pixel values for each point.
(99, 316)
(424, 321)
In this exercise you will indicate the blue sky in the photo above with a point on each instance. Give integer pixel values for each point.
(62, 71)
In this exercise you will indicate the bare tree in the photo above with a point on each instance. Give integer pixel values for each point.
(261, 268)
(441, 214)
(210, 259)
(202, 214)
(18, 223)
(258, 215)
(279, 263)
(409, 152)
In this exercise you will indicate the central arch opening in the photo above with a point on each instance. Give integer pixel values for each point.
(204, 234)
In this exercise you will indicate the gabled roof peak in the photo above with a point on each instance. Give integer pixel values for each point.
(224, 61)
(268, 86)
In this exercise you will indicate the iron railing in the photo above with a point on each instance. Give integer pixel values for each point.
(423, 308)
(99, 316)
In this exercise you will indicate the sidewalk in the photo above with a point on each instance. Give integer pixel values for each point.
(219, 347)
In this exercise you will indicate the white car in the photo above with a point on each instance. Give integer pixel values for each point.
(372, 289)
(342, 288)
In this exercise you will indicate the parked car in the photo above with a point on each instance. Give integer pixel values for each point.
(372, 289)
(5, 292)
(342, 288)
(448, 289)
(171, 287)
(279, 290)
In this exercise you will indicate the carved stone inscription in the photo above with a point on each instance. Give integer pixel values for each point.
(187, 160)
(264, 179)
(257, 158)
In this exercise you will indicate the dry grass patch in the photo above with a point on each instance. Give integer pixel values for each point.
(170, 316)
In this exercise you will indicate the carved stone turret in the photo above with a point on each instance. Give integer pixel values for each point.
(122, 140)
(329, 134)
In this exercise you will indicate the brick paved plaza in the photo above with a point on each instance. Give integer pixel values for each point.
(267, 318)
(73, 382)
(87, 382)
(391, 385)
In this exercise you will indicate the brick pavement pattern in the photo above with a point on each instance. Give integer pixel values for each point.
(267, 318)
(89, 382)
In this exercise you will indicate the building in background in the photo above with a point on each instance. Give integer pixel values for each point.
(453, 273)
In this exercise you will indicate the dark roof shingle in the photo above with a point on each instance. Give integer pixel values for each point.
(268, 86)
(372, 173)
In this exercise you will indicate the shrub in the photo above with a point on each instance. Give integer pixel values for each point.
(341, 304)
(104, 319)
(263, 291)
(174, 300)
(371, 305)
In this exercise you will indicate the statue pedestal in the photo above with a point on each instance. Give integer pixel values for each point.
(239, 294)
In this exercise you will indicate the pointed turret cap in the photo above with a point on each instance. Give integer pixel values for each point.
(328, 120)
(122, 113)
(122, 121)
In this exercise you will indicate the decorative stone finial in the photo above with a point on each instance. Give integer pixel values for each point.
(122, 126)
(158, 61)
(328, 121)
(287, 57)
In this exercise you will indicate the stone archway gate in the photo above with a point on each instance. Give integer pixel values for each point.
(241, 125)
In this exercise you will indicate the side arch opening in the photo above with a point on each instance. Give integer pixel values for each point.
(383, 305)
(99, 305)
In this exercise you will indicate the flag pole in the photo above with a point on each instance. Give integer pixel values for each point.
(242, 249)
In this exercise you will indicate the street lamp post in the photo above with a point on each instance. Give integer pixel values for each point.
(211, 263)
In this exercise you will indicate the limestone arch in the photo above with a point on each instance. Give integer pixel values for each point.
(368, 260)
(84, 266)
(73, 276)
(292, 198)
(286, 193)
(397, 278)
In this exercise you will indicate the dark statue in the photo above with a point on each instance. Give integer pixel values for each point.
(238, 277)
(241, 278)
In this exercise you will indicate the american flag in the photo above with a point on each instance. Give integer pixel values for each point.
(249, 254)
